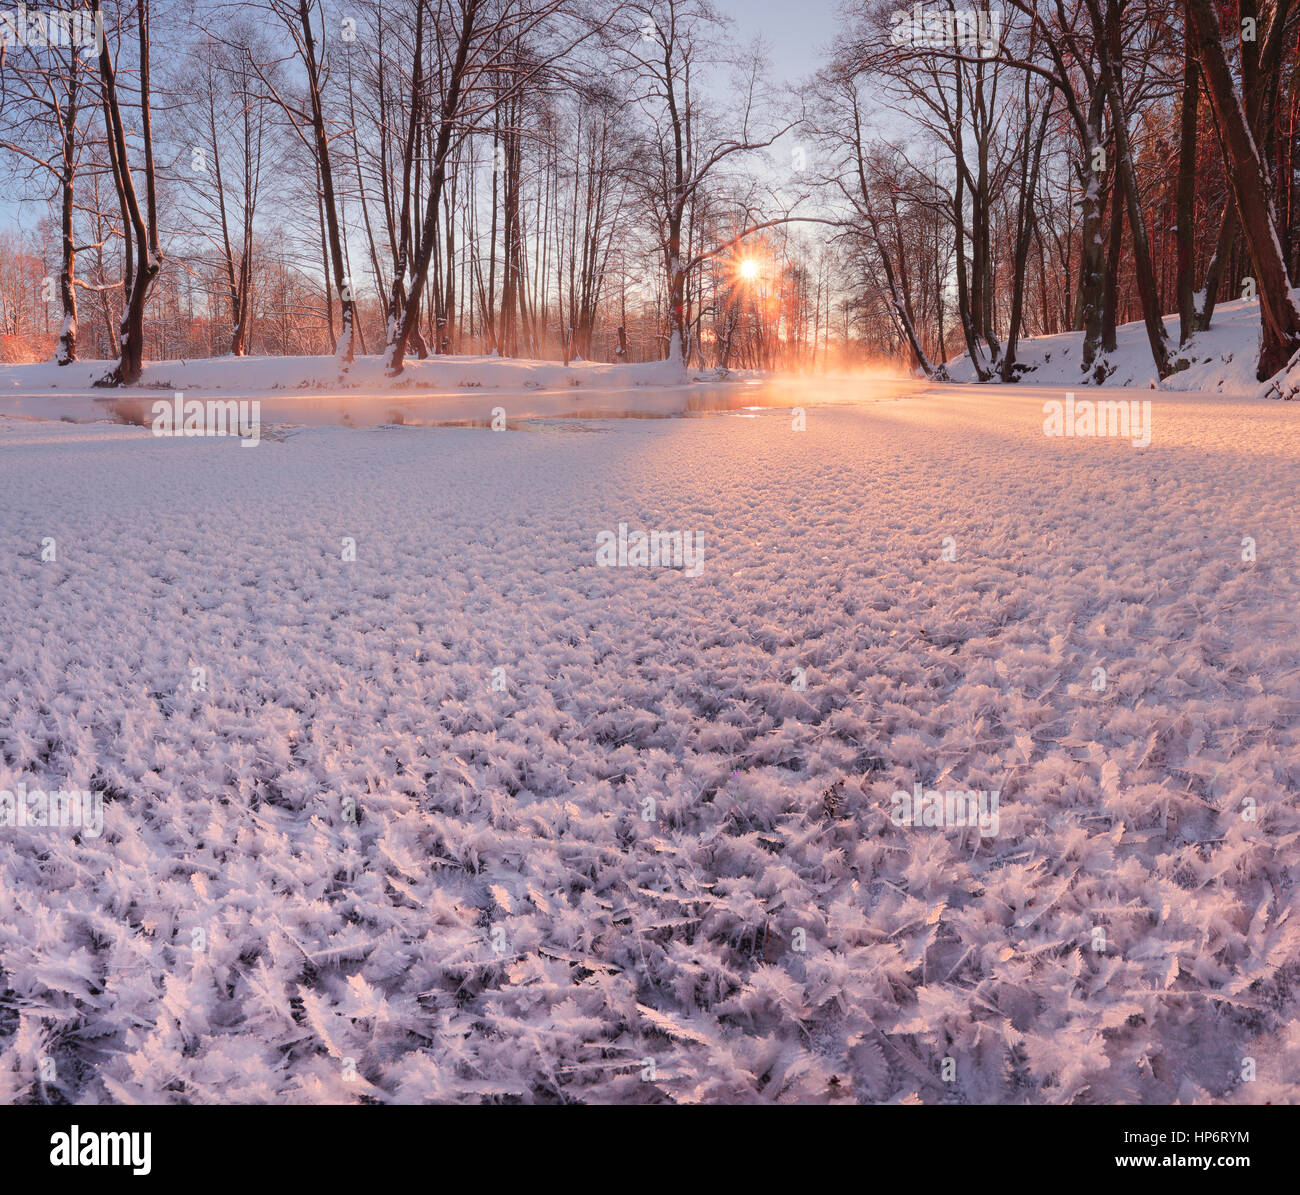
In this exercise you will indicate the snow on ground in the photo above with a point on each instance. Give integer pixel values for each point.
(258, 375)
(646, 865)
(1222, 358)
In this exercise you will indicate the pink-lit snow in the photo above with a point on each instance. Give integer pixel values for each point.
(470, 817)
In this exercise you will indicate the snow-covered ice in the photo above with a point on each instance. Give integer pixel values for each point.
(470, 817)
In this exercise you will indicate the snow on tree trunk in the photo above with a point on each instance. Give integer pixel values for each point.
(66, 351)
(1251, 191)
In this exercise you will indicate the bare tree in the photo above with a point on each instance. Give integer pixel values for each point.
(45, 111)
(310, 124)
(684, 153)
(140, 227)
(228, 110)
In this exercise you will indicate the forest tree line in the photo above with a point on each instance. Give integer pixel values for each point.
(624, 181)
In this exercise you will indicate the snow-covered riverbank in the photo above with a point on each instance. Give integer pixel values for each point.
(1221, 359)
(264, 375)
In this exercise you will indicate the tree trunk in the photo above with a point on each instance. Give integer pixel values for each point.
(1251, 190)
(396, 351)
(1024, 229)
(66, 352)
(1091, 251)
(344, 350)
(1114, 251)
(1108, 44)
(148, 262)
(1185, 204)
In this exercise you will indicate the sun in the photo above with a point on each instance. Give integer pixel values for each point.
(749, 269)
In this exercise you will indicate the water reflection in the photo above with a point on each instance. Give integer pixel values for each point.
(522, 409)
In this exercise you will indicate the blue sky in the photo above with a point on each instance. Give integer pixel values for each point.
(793, 30)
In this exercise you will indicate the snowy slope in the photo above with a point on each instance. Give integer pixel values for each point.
(503, 922)
(1223, 357)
